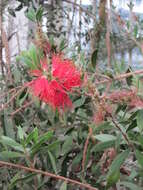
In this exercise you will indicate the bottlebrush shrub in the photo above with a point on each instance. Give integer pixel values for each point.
(70, 150)
(99, 141)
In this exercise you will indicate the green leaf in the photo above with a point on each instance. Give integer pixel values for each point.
(114, 170)
(140, 139)
(10, 154)
(12, 143)
(33, 136)
(53, 161)
(82, 113)
(135, 30)
(33, 54)
(94, 58)
(17, 179)
(104, 126)
(112, 179)
(130, 185)
(17, 75)
(39, 14)
(31, 14)
(103, 145)
(118, 161)
(105, 137)
(13, 181)
(20, 133)
(79, 102)
(8, 125)
(139, 157)
(55, 147)
(77, 159)
(64, 186)
(62, 44)
(25, 59)
(67, 146)
(140, 119)
(20, 100)
(31, 57)
(132, 125)
(44, 138)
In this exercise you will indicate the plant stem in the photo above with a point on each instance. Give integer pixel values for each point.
(58, 177)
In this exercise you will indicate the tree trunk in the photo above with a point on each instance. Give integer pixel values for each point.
(99, 27)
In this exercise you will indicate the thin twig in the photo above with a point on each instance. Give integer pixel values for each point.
(124, 134)
(10, 91)
(82, 9)
(22, 107)
(3, 106)
(120, 77)
(85, 150)
(58, 177)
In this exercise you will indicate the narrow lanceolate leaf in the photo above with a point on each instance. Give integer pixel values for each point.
(118, 161)
(10, 154)
(103, 145)
(114, 170)
(130, 185)
(39, 14)
(79, 102)
(43, 139)
(12, 143)
(53, 161)
(8, 125)
(94, 58)
(139, 157)
(31, 14)
(17, 178)
(67, 146)
(21, 133)
(113, 178)
(63, 186)
(32, 137)
(105, 137)
(140, 119)
(62, 44)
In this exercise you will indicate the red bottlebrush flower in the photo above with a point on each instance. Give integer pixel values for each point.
(51, 93)
(60, 98)
(40, 88)
(63, 78)
(66, 72)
